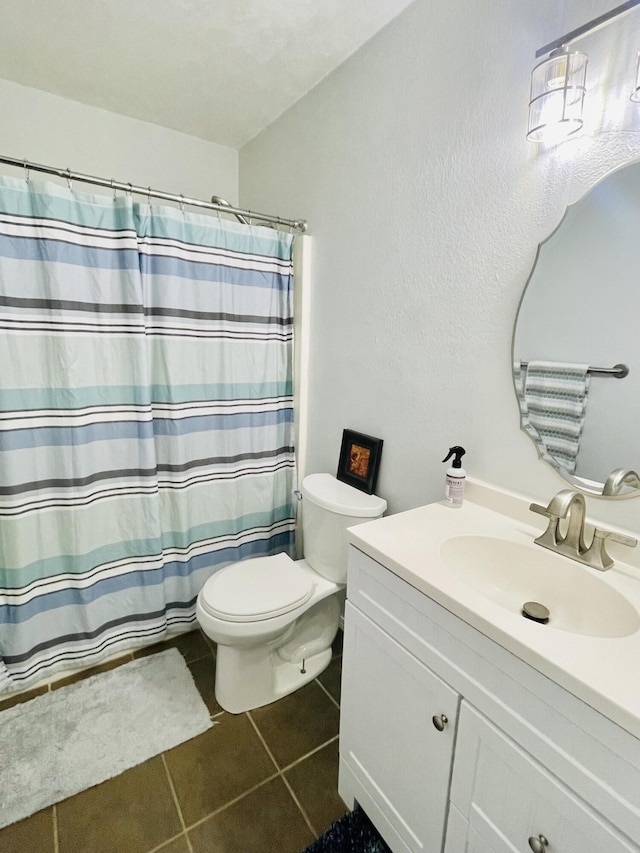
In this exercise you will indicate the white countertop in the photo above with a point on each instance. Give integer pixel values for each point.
(603, 672)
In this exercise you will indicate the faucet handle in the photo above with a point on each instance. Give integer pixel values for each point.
(542, 510)
(615, 537)
(596, 554)
(550, 538)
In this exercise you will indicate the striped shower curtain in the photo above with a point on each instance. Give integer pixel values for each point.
(146, 418)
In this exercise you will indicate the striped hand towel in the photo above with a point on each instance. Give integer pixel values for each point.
(555, 400)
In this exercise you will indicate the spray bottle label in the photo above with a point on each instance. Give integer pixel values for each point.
(454, 492)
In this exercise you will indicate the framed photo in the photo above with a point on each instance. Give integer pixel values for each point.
(359, 460)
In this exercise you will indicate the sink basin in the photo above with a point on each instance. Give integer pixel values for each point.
(511, 573)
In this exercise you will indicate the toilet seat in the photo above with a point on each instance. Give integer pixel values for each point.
(256, 589)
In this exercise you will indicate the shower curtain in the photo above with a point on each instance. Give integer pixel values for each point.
(146, 418)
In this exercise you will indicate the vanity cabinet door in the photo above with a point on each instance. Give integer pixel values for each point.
(397, 731)
(508, 800)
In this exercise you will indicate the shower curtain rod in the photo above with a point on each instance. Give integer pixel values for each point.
(110, 183)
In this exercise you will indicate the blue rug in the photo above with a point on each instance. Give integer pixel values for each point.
(353, 833)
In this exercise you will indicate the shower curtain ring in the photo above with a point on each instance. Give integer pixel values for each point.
(130, 190)
(113, 188)
(181, 203)
(26, 171)
(69, 179)
(149, 196)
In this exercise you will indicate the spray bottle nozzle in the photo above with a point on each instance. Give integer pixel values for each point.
(457, 452)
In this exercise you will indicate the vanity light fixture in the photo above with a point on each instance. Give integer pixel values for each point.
(557, 96)
(558, 83)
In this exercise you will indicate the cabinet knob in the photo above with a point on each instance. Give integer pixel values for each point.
(538, 844)
(440, 721)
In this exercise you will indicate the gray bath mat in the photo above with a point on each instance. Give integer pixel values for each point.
(77, 736)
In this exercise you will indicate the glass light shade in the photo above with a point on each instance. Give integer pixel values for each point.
(635, 95)
(557, 96)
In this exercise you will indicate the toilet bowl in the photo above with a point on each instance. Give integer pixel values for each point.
(274, 619)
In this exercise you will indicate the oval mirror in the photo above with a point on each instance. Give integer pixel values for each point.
(576, 341)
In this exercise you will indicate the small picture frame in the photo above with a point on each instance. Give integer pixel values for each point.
(359, 460)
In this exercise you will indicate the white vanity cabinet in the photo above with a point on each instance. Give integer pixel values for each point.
(398, 722)
(520, 763)
(503, 800)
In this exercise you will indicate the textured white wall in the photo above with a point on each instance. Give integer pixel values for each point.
(55, 131)
(426, 205)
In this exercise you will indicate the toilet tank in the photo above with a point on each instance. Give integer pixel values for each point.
(328, 508)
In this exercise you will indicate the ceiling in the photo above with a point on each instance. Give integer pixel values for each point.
(218, 69)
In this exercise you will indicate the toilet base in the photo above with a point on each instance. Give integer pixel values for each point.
(245, 680)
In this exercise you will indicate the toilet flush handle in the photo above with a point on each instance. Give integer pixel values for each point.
(298, 494)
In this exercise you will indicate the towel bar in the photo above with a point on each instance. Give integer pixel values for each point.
(618, 371)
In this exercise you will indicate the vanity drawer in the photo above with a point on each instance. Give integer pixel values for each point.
(593, 756)
(506, 797)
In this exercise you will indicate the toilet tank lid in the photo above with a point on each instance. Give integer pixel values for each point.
(327, 492)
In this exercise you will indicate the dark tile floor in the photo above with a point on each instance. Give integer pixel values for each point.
(260, 782)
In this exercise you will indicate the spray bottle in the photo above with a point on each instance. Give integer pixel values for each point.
(455, 481)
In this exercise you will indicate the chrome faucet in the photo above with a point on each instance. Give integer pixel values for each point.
(618, 478)
(571, 505)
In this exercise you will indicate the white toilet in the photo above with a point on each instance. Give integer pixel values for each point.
(274, 619)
